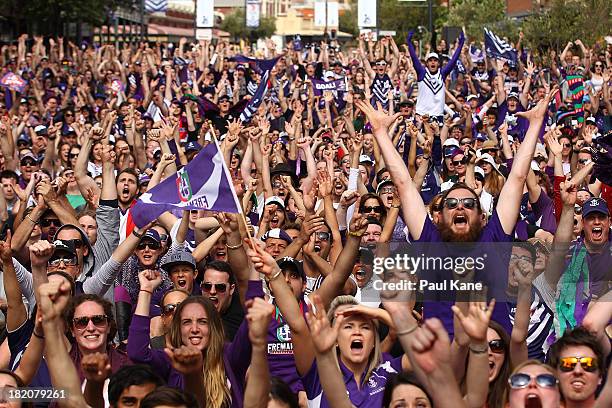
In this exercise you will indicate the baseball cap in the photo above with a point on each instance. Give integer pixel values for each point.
(489, 144)
(591, 120)
(432, 55)
(152, 235)
(68, 130)
(62, 245)
(385, 182)
(451, 142)
(28, 155)
(470, 97)
(288, 262)
(278, 234)
(177, 256)
(478, 171)
(192, 147)
(41, 130)
(24, 138)
(364, 158)
(513, 95)
(276, 200)
(593, 205)
(223, 98)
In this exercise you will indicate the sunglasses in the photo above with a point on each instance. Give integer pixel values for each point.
(47, 222)
(598, 65)
(567, 145)
(152, 245)
(452, 203)
(219, 287)
(497, 346)
(458, 162)
(81, 323)
(583, 161)
(27, 163)
(376, 208)
(277, 185)
(522, 380)
(323, 236)
(489, 150)
(70, 261)
(381, 64)
(169, 309)
(577, 210)
(465, 143)
(567, 364)
(387, 190)
(73, 155)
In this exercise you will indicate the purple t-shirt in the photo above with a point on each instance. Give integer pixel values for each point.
(368, 394)
(496, 270)
(236, 355)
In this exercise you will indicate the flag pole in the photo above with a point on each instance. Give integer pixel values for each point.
(231, 184)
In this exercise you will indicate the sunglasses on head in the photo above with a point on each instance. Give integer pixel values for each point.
(169, 309)
(47, 222)
(373, 208)
(68, 261)
(497, 346)
(522, 380)
(151, 244)
(219, 287)
(82, 322)
(567, 364)
(468, 202)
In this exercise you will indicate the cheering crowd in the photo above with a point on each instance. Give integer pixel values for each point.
(442, 147)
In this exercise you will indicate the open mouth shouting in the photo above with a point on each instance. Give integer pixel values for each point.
(533, 401)
(274, 222)
(597, 234)
(460, 221)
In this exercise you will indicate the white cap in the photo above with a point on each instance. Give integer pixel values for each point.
(451, 141)
(470, 97)
(534, 166)
(432, 55)
(479, 170)
(364, 158)
(486, 157)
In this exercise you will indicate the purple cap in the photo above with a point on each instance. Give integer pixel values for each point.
(593, 205)
(152, 235)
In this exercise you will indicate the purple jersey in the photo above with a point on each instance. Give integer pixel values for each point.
(368, 394)
(496, 270)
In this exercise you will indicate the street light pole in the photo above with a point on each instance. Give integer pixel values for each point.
(430, 10)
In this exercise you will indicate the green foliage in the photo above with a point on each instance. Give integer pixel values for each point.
(235, 24)
(348, 21)
(568, 20)
(474, 15)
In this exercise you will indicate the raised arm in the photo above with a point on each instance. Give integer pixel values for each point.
(413, 208)
(257, 391)
(510, 196)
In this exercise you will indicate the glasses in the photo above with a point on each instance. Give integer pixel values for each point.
(465, 143)
(71, 261)
(152, 245)
(497, 346)
(577, 210)
(598, 65)
(452, 203)
(27, 163)
(381, 64)
(567, 364)
(525, 258)
(73, 155)
(219, 287)
(376, 208)
(387, 190)
(47, 222)
(323, 236)
(522, 380)
(81, 323)
(277, 185)
(68, 115)
(567, 145)
(489, 151)
(169, 309)
(583, 161)
(458, 162)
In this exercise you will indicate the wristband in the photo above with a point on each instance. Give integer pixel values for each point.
(30, 218)
(276, 275)
(42, 337)
(355, 234)
(137, 234)
(148, 291)
(408, 331)
(479, 351)
(233, 246)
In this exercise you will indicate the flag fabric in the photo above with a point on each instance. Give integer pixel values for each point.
(156, 6)
(575, 84)
(319, 86)
(499, 48)
(264, 67)
(476, 54)
(13, 82)
(203, 184)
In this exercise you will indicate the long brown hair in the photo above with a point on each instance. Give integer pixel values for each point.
(215, 384)
(497, 387)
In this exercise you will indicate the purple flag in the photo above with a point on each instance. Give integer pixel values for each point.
(264, 67)
(319, 86)
(203, 184)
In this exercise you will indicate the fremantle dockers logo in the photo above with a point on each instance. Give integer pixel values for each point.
(183, 186)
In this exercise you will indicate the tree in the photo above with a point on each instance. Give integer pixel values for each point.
(476, 14)
(568, 20)
(235, 24)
